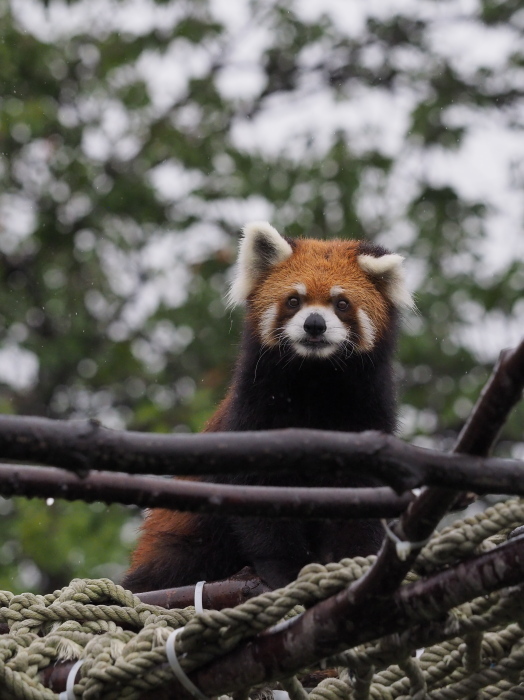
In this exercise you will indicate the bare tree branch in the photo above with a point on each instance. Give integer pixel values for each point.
(216, 595)
(83, 445)
(178, 494)
(501, 393)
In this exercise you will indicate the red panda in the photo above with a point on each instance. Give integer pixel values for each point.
(316, 352)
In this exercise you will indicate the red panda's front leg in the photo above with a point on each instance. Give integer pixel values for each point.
(275, 549)
(179, 549)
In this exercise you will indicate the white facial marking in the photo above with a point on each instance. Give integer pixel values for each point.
(367, 331)
(334, 335)
(300, 288)
(260, 248)
(336, 290)
(267, 325)
(389, 268)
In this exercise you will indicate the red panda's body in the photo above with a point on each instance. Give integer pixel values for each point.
(316, 352)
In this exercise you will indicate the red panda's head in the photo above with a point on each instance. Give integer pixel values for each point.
(317, 297)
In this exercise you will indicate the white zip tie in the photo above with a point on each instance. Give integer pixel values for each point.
(403, 547)
(199, 591)
(177, 668)
(68, 693)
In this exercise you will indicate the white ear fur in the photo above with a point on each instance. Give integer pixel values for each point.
(261, 247)
(389, 268)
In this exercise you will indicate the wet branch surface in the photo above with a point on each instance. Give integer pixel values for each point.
(81, 446)
(216, 595)
(177, 494)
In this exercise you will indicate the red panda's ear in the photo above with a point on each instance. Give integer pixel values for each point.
(261, 248)
(388, 269)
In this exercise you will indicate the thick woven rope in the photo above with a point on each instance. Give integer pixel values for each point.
(478, 651)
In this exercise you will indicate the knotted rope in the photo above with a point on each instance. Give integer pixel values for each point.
(478, 647)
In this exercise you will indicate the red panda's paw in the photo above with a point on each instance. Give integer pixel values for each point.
(276, 573)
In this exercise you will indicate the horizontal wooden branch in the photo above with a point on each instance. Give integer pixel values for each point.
(84, 445)
(216, 595)
(178, 494)
(337, 623)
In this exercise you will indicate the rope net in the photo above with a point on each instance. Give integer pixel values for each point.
(477, 650)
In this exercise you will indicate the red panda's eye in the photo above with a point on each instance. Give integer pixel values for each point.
(342, 305)
(293, 302)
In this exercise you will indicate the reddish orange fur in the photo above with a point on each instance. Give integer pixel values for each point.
(158, 522)
(321, 265)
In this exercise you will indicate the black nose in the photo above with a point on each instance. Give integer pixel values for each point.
(315, 325)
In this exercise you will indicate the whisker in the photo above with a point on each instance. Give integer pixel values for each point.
(339, 362)
(264, 350)
(287, 352)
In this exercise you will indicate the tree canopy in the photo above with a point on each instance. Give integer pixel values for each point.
(136, 138)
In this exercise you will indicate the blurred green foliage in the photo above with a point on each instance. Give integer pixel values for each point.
(122, 192)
